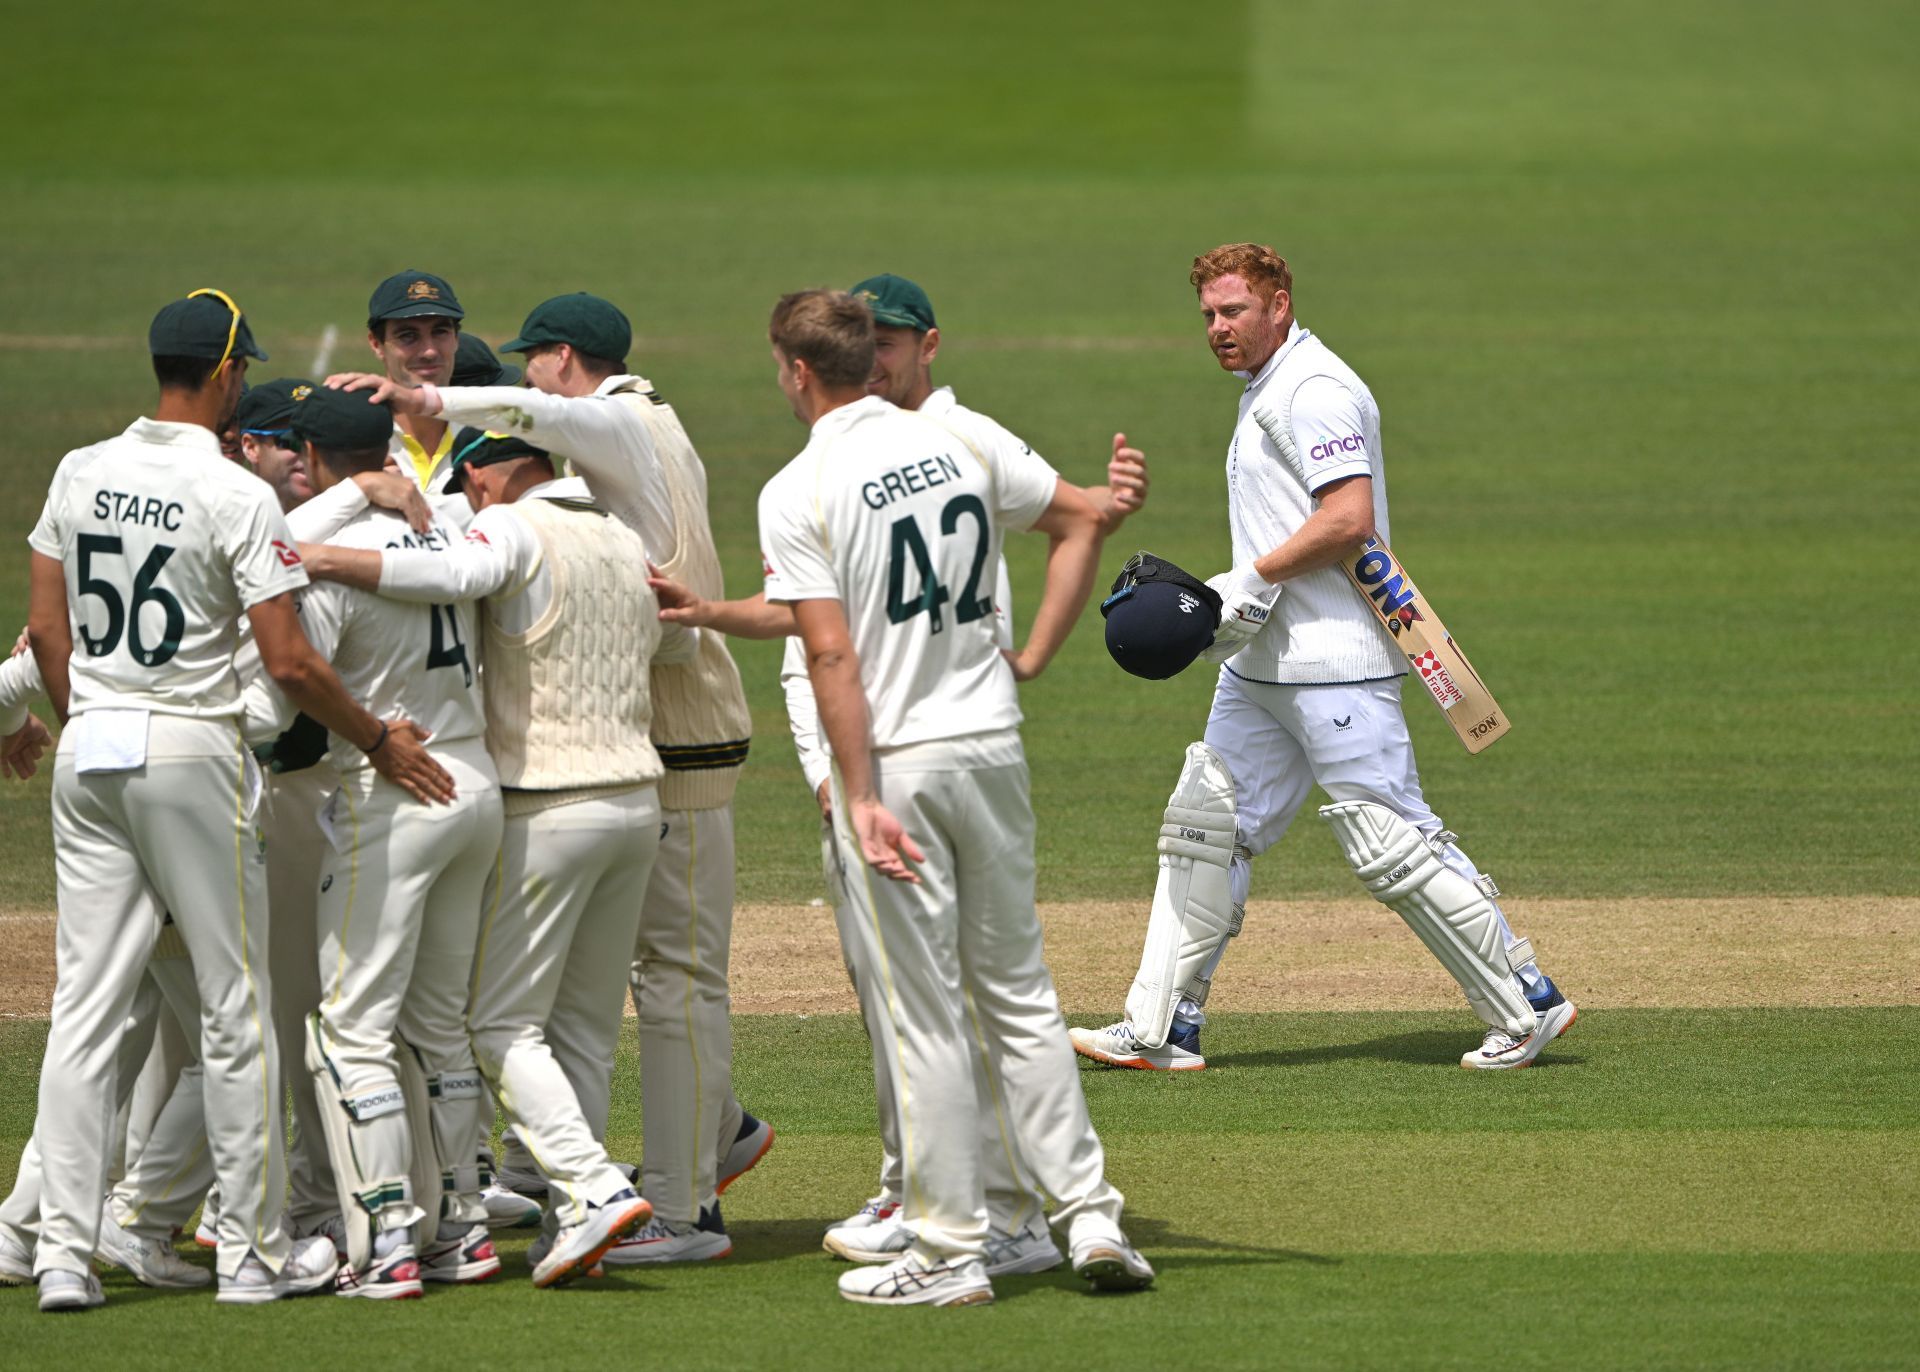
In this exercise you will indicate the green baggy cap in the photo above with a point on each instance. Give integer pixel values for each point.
(896, 301)
(477, 448)
(205, 324)
(413, 295)
(591, 325)
(475, 365)
(342, 421)
(268, 407)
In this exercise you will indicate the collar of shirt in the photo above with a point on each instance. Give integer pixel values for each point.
(424, 463)
(838, 421)
(614, 383)
(1295, 334)
(560, 488)
(940, 401)
(169, 434)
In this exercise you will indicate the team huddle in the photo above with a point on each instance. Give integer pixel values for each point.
(399, 749)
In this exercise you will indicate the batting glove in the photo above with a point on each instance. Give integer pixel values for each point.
(1246, 604)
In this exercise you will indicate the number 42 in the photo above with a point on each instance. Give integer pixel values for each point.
(906, 544)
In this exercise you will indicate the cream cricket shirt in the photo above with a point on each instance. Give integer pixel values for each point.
(166, 545)
(901, 521)
(1321, 630)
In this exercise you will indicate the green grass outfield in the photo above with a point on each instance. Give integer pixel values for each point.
(1703, 1189)
(1634, 286)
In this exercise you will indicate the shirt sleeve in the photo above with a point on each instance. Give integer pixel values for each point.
(1329, 432)
(498, 552)
(49, 534)
(319, 519)
(259, 547)
(323, 617)
(606, 442)
(793, 549)
(803, 716)
(1023, 481)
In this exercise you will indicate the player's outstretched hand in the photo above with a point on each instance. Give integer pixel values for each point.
(388, 490)
(21, 750)
(883, 842)
(1126, 477)
(1024, 667)
(402, 399)
(679, 603)
(402, 758)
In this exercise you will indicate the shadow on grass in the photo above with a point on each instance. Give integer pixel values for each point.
(1154, 1237)
(1425, 1048)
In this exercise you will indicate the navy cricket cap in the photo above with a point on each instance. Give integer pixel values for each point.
(1159, 618)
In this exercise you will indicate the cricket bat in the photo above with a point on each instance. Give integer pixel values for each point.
(1384, 583)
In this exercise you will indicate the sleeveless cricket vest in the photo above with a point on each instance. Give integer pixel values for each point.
(565, 710)
(701, 725)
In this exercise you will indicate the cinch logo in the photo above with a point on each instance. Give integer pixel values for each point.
(1352, 443)
(1385, 582)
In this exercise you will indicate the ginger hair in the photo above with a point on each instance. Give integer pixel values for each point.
(1263, 269)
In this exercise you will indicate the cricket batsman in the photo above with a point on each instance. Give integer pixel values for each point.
(1309, 693)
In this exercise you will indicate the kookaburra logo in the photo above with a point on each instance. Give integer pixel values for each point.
(1188, 604)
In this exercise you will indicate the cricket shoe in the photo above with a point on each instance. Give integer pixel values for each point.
(877, 1208)
(748, 1147)
(1111, 1264)
(871, 1237)
(333, 1229)
(206, 1234)
(1553, 1015)
(309, 1267)
(152, 1262)
(658, 1241)
(524, 1182)
(579, 1247)
(16, 1260)
(1117, 1046)
(464, 1256)
(1021, 1252)
(912, 1281)
(508, 1209)
(62, 1291)
(543, 1244)
(392, 1276)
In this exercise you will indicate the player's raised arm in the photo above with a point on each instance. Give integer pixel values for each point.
(1076, 530)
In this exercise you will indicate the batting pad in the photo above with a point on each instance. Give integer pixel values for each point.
(1193, 910)
(424, 1176)
(1452, 916)
(342, 1116)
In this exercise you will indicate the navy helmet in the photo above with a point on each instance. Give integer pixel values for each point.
(1159, 618)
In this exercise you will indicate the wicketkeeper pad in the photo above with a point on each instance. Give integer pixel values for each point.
(1193, 909)
(1455, 919)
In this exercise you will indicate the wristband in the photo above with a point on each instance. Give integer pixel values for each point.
(378, 741)
(432, 394)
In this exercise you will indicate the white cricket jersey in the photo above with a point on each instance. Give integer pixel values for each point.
(899, 520)
(1321, 630)
(399, 659)
(166, 545)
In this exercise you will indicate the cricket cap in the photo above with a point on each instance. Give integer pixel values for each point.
(896, 302)
(585, 322)
(342, 421)
(478, 448)
(206, 324)
(413, 295)
(475, 365)
(1159, 618)
(268, 408)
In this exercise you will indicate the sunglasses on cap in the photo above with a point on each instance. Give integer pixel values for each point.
(233, 325)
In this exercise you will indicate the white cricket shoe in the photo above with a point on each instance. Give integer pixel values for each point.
(1021, 1252)
(392, 1276)
(333, 1229)
(309, 1267)
(16, 1260)
(911, 1281)
(1117, 1046)
(151, 1261)
(877, 1208)
(1553, 1013)
(744, 1154)
(465, 1256)
(543, 1244)
(579, 1247)
(862, 1239)
(1111, 1264)
(508, 1209)
(206, 1234)
(658, 1241)
(60, 1290)
(523, 1181)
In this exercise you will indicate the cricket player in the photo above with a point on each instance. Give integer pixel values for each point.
(264, 417)
(413, 327)
(151, 548)
(570, 627)
(1309, 693)
(906, 341)
(623, 437)
(399, 908)
(878, 535)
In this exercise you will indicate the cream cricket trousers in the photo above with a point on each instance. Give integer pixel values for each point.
(399, 918)
(1351, 739)
(964, 1015)
(169, 1170)
(178, 834)
(175, 1047)
(679, 984)
(549, 979)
